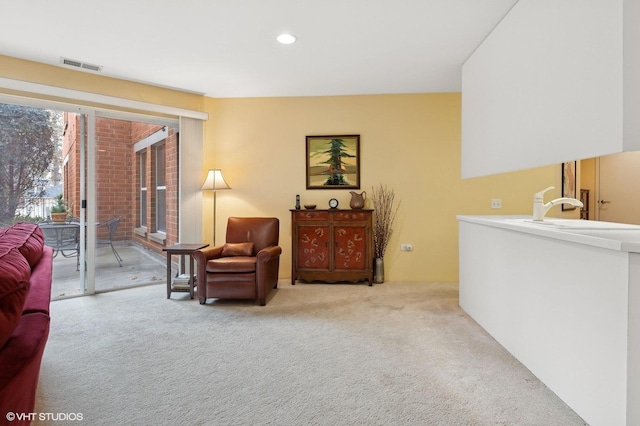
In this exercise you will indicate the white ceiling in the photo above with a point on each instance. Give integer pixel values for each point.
(227, 48)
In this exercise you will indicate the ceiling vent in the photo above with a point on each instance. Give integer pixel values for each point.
(80, 64)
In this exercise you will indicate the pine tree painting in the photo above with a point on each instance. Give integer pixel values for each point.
(332, 161)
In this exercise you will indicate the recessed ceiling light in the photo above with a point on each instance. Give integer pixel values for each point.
(286, 38)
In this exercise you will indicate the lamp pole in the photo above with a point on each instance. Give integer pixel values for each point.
(214, 217)
(214, 181)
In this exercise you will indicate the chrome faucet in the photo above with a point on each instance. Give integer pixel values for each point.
(540, 209)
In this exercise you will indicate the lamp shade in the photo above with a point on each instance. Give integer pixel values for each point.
(215, 181)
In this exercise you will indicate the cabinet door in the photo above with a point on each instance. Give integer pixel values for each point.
(313, 247)
(350, 246)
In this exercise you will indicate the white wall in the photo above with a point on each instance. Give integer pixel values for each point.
(546, 86)
(564, 310)
(631, 52)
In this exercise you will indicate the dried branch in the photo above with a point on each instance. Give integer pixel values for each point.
(385, 214)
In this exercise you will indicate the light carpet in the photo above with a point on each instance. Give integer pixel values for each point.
(317, 354)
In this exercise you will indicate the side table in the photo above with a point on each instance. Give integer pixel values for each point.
(182, 250)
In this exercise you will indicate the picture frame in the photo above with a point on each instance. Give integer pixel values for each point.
(333, 162)
(568, 183)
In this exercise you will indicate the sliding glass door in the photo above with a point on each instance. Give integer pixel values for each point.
(120, 178)
(34, 187)
(136, 200)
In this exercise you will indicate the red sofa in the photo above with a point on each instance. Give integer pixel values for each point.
(26, 268)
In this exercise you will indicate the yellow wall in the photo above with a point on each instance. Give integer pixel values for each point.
(409, 142)
(50, 75)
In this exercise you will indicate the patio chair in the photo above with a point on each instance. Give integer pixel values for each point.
(64, 238)
(112, 226)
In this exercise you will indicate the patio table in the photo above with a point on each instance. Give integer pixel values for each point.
(64, 237)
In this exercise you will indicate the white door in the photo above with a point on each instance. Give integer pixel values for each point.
(618, 195)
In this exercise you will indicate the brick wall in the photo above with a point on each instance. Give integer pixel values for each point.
(117, 180)
(172, 187)
(71, 162)
(114, 174)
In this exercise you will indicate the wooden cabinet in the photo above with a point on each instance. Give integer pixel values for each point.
(332, 245)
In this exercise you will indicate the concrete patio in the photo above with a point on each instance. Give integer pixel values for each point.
(139, 267)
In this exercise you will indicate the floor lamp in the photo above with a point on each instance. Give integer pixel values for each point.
(214, 182)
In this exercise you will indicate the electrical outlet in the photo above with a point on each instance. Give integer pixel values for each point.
(496, 203)
(406, 247)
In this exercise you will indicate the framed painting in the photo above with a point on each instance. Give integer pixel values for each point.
(333, 162)
(569, 183)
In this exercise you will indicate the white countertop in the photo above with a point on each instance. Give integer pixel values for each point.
(608, 235)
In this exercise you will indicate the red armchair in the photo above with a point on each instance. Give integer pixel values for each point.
(246, 266)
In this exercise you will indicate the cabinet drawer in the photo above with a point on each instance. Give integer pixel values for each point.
(311, 215)
(347, 215)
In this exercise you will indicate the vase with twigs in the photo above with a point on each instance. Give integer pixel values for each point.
(385, 214)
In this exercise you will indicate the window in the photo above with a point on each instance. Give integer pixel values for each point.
(142, 173)
(161, 188)
(156, 173)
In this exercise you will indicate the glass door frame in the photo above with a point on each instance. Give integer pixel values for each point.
(88, 207)
(191, 129)
(88, 184)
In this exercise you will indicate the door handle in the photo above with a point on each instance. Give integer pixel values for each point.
(604, 201)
